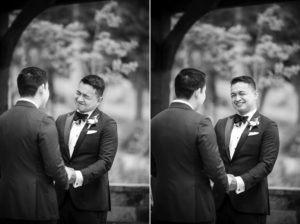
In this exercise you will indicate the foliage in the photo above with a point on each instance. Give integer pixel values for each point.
(236, 50)
(110, 39)
(60, 44)
(260, 41)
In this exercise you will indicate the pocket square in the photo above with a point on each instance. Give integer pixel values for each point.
(253, 133)
(91, 132)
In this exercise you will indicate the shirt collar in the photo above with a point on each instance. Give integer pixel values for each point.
(88, 113)
(182, 101)
(250, 114)
(28, 100)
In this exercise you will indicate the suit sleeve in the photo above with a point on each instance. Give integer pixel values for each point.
(208, 149)
(107, 151)
(49, 148)
(268, 155)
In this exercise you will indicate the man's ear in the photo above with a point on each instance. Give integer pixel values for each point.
(41, 88)
(100, 99)
(197, 92)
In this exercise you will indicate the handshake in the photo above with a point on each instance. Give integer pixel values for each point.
(231, 182)
(71, 174)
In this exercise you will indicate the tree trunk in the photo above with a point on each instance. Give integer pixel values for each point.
(263, 94)
(296, 83)
(211, 95)
(139, 102)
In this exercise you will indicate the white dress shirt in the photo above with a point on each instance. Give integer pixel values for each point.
(74, 135)
(234, 139)
(28, 100)
(183, 101)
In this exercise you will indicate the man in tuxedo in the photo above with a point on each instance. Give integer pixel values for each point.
(185, 156)
(30, 160)
(88, 142)
(248, 143)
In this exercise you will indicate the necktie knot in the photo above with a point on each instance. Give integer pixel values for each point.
(80, 117)
(238, 119)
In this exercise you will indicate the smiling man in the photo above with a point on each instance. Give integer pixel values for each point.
(248, 144)
(88, 140)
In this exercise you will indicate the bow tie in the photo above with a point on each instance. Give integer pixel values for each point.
(238, 119)
(80, 117)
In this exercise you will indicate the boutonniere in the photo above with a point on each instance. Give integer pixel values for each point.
(253, 123)
(92, 121)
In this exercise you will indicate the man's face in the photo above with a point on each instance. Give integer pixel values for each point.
(86, 98)
(243, 97)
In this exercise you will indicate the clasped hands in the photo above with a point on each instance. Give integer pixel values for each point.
(71, 175)
(231, 182)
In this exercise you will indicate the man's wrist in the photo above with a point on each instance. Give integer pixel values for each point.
(240, 185)
(79, 179)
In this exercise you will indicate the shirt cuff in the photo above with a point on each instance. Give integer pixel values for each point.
(240, 185)
(79, 179)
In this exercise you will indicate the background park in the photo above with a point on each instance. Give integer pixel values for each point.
(260, 41)
(69, 41)
(230, 38)
(109, 39)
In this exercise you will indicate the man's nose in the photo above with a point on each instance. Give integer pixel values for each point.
(237, 98)
(79, 98)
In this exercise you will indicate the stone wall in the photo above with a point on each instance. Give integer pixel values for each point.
(130, 204)
(285, 206)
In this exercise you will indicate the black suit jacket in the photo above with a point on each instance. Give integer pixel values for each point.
(29, 161)
(184, 157)
(253, 160)
(93, 155)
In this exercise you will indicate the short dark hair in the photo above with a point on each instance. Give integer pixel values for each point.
(244, 78)
(30, 79)
(188, 81)
(96, 82)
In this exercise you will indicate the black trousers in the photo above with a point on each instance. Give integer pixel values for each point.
(228, 215)
(15, 221)
(69, 214)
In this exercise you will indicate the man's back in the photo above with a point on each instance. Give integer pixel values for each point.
(29, 161)
(184, 153)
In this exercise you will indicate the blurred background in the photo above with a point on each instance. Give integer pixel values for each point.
(110, 39)
(260, 41)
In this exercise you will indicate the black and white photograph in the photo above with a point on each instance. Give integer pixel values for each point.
(74, 124)
(225, 112)
(148, 111)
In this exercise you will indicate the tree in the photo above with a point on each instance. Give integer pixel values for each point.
(57, 46)
(235, 50)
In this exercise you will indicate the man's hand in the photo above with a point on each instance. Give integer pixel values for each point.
(232, 182)
(71, 174)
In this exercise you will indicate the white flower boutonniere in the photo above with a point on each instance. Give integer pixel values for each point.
(92, 121)
(253, 123)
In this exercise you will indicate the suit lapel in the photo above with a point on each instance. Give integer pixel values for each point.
(67, 130)
(85, 129)
(228, 129)
(244, 136)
